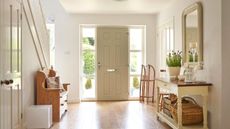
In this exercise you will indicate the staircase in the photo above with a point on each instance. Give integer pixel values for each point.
(34, 16)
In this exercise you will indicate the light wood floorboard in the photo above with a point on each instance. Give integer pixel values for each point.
(110, 115)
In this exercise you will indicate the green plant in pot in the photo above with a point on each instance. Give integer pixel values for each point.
(173, 62)
(136, 83)
(88, 84)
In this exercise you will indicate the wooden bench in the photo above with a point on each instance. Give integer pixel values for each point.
(57, 97)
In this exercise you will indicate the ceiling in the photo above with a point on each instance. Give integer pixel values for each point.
(114, 6)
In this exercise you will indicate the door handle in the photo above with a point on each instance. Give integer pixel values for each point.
(7, 82)
(111, 70)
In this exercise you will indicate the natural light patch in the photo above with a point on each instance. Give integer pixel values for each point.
(135, 62)
(136, 39)
(165, 39)
(51, 30)
(136, 59)
(88, 32)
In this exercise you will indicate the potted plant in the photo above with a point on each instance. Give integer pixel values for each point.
(88, 84)
(173, 62)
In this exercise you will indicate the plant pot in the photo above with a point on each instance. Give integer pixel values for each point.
(88, 84)
(174, 71)
(136, 83)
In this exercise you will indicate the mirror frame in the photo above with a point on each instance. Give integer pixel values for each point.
(196, 6)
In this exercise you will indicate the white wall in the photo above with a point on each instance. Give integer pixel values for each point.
(30, 60)
(225, 64)
(67, 38)
(30, 65)
(212, 48)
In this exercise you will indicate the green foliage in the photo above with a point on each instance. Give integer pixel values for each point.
(88, 40)
(88, 84)
(133, 65)
(174, 59)
(89, 62)
(136, 82)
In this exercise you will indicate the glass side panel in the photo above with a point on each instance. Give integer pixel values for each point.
(88, 63)
(88, 60)
(134, 86)
(136, 38)
(88, 39)
(135, 62)
(88, 88)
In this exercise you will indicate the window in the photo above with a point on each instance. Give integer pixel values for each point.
(136, 58)
(165, 41)
(88, 59)
(51, 31)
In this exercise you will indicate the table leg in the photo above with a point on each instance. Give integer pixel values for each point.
(179, 112)
(205, 112)
(157, 101)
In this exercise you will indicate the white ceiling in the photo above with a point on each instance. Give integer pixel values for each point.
(114, 6)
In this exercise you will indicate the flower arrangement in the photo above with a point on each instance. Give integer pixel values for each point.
(174, 59)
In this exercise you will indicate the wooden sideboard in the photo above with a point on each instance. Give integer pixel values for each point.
(181, 89)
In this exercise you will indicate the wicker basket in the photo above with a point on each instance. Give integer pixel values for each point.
(192, 113)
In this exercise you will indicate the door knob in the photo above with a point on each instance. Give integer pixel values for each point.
(7, 82)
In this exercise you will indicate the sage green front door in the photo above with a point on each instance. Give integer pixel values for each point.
(112, 63)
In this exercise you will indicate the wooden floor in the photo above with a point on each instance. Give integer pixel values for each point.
(110, 115)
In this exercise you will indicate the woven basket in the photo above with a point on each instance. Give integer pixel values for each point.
(192, 113)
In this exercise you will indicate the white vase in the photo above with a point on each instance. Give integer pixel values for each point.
(174, 71)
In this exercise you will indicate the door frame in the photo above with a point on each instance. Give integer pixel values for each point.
(81, 26)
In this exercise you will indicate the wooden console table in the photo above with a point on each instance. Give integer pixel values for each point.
(181, 89)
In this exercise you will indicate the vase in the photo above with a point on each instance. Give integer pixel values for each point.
(174, 71)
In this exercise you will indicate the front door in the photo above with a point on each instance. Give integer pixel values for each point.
(112, 59)
(10, 64)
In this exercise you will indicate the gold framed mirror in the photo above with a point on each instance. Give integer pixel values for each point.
(192, 31)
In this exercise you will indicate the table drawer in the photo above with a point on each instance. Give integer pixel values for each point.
(162, 84)
(167, 86)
